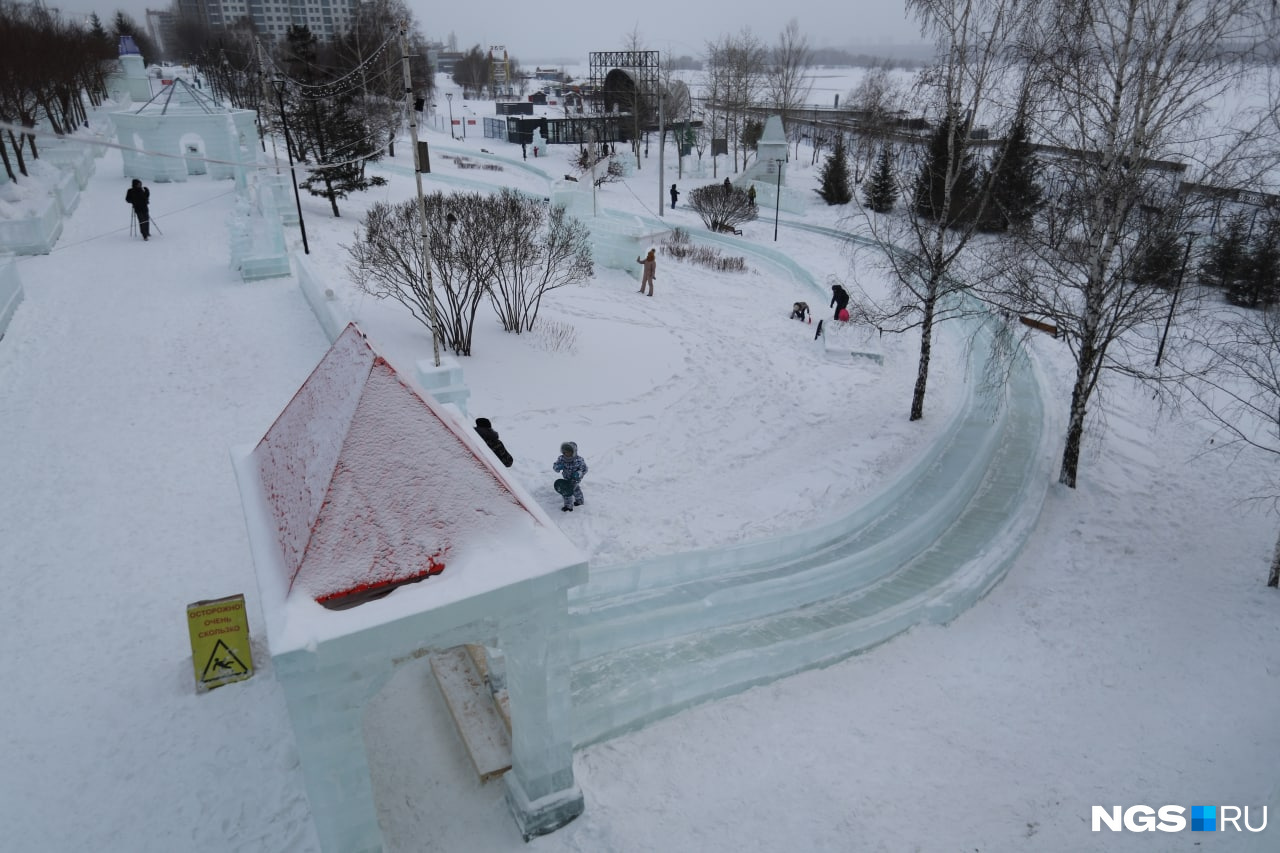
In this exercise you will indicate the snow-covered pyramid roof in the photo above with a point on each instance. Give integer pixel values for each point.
(370, 486)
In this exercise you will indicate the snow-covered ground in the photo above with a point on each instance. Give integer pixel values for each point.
(1132, 655)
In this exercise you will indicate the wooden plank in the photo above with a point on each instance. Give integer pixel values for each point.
(480, 660)
(1040, 325)
(480, 725)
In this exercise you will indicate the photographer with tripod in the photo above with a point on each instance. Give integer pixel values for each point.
(140, 197)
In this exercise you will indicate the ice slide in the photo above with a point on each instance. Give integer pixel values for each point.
(650, 638)
(653, 637)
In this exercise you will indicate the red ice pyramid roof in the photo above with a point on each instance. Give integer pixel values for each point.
(368, 486)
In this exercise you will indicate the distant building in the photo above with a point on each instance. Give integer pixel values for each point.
(272, 18)
(446, 60)
(161, 27)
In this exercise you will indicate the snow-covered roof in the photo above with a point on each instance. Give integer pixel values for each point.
(369, 485)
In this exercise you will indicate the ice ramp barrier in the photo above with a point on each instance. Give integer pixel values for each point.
(649, 639)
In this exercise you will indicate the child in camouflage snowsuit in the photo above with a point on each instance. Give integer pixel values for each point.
(573, 468)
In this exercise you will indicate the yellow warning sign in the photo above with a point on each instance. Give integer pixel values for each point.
(219, 641)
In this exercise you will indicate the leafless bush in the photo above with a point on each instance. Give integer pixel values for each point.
(554, 336)
(467, 163)
(680, 246)
(506, 246)
(607, 169)
(722, 208)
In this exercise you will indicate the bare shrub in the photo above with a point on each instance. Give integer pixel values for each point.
(721, 208)
(679, 245)
(555, 336)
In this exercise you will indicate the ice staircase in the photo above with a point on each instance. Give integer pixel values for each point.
(651, 638)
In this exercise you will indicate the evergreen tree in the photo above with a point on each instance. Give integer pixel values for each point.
(1158, 258)
(1227, 254)
(326, 127)
(881, 192)
(837, 185)
(1014, 193)
(123, 25)
(99, 34)
(1259, 285)
(948, 161)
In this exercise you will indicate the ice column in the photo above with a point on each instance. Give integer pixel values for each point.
(540, 787)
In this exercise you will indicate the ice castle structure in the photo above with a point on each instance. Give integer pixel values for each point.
(382, 529)
(181, 131)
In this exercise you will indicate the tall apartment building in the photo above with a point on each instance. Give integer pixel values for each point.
(273, 17)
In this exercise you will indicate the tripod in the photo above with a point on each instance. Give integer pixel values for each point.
(151, 220)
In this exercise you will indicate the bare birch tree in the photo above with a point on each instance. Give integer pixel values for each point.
(714, 88)
(922, 247)
(736, 67)
(877, 101)
(1123, 86)
(1234, 374)
(787, 84)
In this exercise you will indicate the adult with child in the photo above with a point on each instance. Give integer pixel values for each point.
(140, 197)
(650, 264)
(840, 299)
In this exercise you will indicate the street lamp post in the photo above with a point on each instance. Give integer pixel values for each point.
(777, 195)
(288, 146)
(364, 83)
(449, 97)
(1177, 290)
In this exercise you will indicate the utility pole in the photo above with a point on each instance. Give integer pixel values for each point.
(661, 137)
(288, 147)
(1173, 303)
(417, 176)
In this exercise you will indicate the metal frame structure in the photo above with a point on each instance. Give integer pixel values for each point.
(641, 67)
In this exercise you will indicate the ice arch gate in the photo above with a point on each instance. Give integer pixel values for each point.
(381, 530)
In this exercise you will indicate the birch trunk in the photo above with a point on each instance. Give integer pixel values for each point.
(1273, 579)
(926, 349)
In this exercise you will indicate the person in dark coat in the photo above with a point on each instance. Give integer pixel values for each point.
(840, 299)
(140, 197)
(728, 187)
(675, 194)
(490, 436)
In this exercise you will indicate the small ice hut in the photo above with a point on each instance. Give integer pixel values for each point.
(382, 530)
(182, 131)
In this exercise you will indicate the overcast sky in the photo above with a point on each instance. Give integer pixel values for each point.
(560, 29)
(568, 31)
